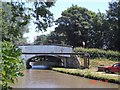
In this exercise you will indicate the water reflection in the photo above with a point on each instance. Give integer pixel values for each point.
(42, 67)
(41, 77)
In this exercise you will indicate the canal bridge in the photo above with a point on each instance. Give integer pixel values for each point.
(50, 55)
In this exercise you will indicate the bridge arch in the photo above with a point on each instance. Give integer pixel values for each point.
(47, 60)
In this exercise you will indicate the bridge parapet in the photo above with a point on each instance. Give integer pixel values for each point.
(38, 50)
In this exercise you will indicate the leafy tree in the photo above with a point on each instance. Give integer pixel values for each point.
(14, 20)
(42, 39)
(99, 30)
(113, 15)
(98, 34)
(16, 17)
(43, 16)
(56, 38)
(75, 24)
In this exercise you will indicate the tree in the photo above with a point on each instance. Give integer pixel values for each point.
(98, 34)
(75, 24)
(43, 16)
(56, 38)
(42, 39)
(113, 15)
(14, 21)
(16, 17)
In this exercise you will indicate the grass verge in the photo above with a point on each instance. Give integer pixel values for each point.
(89, 74)
(99, 62)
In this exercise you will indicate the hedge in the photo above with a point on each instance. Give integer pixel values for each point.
(99, 53)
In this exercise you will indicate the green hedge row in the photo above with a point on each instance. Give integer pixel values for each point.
(99, 53)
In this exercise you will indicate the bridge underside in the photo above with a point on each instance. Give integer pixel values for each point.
(50, 61)
(53, 61)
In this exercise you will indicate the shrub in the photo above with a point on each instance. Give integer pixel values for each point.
(99, 53)
(11, 64)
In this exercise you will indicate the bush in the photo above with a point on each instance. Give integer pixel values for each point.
(11, 64)
(99, 53)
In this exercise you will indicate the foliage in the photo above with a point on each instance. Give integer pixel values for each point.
(16, 17)
(78, 24)
(98, 34)
(56, 38)
(11, 64)
(43, 16)
(88, 74)
(99, 53)
(42, 39)
(74, 25)
(14, 21)
(113, 15)
(0, 65)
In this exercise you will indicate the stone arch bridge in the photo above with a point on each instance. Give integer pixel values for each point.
(49, 55)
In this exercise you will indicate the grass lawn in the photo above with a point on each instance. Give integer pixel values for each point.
(94, 63)
(89, 73)
(92, 71)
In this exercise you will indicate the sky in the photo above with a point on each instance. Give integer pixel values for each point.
(60, 6)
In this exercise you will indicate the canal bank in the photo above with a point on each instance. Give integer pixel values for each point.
(87, 73)
(37, 78)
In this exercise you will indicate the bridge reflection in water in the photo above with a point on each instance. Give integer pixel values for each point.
(42, 67)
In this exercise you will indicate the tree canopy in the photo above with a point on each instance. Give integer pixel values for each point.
(97, 30)
(14, 21)
(113, 15)
(75, 24)
(16, 17)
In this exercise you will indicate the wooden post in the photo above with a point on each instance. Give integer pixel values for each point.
(86, 60)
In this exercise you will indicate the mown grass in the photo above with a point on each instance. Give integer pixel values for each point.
(94, 63)
(88, 73)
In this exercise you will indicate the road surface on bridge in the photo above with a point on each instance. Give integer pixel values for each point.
(36, 78)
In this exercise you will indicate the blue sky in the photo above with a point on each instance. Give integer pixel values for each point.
(62, 5)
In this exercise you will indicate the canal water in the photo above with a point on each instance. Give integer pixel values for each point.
(40, 78)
